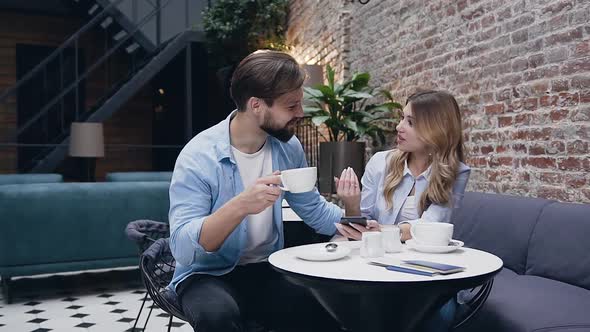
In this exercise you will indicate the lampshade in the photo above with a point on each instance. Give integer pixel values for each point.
(314, 75)
(86, 139)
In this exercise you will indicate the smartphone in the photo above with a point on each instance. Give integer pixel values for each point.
(353, 220)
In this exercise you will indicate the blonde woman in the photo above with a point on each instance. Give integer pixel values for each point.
(423, 179)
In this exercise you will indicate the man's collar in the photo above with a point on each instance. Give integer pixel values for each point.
(223, 147)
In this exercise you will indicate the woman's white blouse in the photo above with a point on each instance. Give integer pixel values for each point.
(373, 204)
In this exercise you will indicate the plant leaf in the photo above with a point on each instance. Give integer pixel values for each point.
(318, 120)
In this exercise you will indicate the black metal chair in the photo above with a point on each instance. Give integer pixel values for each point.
(157, 268)
(144, 232)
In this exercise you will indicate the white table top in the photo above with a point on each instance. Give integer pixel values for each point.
(356, 268)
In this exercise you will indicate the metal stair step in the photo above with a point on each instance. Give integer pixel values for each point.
(131, 48)
(108, 21)
(93, 9)
(121, 34)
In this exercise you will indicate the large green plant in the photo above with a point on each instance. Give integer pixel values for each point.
(345, 109)
(236, 28)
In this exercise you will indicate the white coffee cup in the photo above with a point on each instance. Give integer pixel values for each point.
(299, 180)
(432, 233)
(372, 245)
(391, 238)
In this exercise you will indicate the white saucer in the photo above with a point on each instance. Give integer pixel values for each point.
(319, 253)
(453, 245)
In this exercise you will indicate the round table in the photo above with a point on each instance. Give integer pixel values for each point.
(365, 297)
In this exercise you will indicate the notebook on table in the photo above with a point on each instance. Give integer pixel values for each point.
(419, 267)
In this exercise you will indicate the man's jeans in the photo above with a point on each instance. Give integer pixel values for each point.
(253, 292)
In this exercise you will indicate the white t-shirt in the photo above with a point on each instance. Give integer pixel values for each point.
(261, 236)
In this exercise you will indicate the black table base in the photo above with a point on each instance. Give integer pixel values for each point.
(382, 306)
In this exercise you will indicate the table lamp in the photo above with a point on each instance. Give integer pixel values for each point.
(87, 144)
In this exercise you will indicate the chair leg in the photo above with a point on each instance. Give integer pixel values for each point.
(148, 317)
(170, 323)
(6, 290)
(140, 310)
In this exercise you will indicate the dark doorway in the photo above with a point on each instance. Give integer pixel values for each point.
(36, 94)
(169, 110)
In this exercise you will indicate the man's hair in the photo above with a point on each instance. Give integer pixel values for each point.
(266, 75)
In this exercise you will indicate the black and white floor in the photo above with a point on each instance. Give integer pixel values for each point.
(97, 301)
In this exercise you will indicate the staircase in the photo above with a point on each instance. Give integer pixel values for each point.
(137, 30)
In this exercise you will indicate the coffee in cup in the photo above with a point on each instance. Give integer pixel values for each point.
(299, 180)
(432, 233)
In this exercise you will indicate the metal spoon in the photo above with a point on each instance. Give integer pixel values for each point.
(331, 247)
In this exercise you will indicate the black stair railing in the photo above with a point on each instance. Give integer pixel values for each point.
(72, 44)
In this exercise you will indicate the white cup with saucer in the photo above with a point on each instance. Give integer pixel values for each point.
(432, 233)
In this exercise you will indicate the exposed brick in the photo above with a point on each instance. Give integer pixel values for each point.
(555, 8)
(494, 109)
(564, 37)
(504, 121)
(575, 67)
(487, 149)
(538, 162)
(519, 36)
(558, 115)
(530, 104)
(582, 49)
(568, 99)
(561, 84)
(577, 147)
(576, 180)
(500, 161)
(556, 54)
(552, 178)
(553, 193)
(549, 100)
(581, 82)
(579, 164)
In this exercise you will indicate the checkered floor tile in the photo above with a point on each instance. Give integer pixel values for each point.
(103, 301)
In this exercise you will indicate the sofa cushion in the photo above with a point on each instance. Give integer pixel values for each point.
(499, 224)
(138, 176)
(560, 245)
(522, 303)
(30, 178)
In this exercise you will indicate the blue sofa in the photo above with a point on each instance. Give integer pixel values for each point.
(60, 227)
(138, 176)
(30, 178)
(545, 245)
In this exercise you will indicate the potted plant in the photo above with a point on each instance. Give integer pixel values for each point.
(345, 110)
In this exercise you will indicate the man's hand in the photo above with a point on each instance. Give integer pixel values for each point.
(355, 231)
(262, 194)
(348, 190)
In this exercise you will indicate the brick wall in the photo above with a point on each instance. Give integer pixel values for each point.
(519, 69)
(131, 125)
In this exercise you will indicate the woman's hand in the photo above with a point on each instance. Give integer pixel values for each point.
(348, 189)
(355, 231)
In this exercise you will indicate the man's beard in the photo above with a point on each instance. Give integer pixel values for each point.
(282, 134)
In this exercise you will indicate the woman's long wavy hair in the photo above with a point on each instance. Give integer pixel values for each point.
(437, 121)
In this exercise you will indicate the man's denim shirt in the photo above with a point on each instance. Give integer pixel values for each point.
(206, 177)
(373, 204)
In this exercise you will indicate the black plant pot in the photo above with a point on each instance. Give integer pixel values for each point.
(334, 157)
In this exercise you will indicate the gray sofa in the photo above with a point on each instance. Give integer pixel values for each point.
(545, 245)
